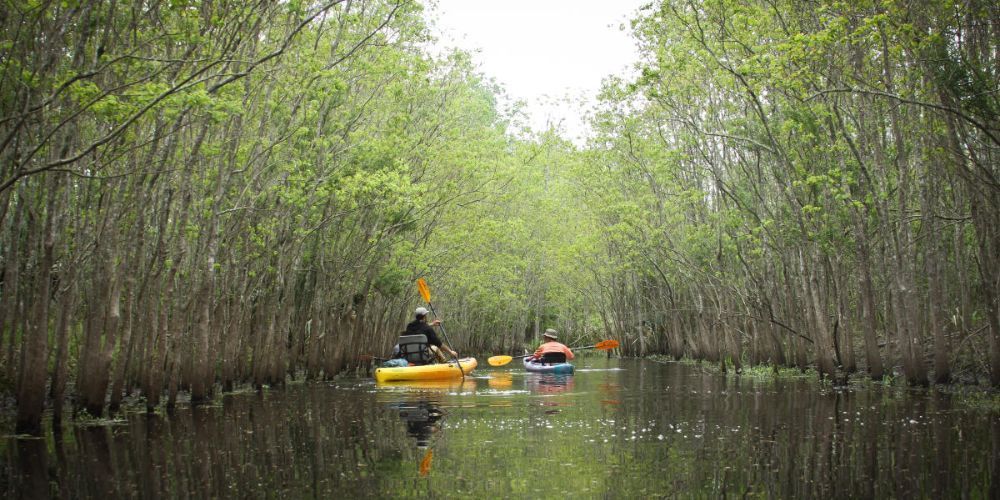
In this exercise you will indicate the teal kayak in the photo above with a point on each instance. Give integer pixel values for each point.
(562, 368)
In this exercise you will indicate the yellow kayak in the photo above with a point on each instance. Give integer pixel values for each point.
(426, 372)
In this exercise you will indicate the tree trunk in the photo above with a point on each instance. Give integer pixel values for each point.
(174, 358)
(152, 372)
(988, 235)
(119, 369)
(873, 357)
(263, 331)
(822, 340)
(12, 307)
(88, 381)
(843, 335)
(200, 376)
(31, 393)
(903, 255)
(932, 267)
(101, 371)
(61, 361)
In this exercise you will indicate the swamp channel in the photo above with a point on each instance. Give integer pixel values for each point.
(618, 428)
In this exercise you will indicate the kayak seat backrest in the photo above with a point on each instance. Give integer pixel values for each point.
(551, 358)
(415, 349)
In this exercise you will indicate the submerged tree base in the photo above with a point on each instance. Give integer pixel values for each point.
(973, 394)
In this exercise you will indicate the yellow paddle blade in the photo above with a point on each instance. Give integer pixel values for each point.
(425, 291)
(425, 464)
(499, 360)
(607, 344)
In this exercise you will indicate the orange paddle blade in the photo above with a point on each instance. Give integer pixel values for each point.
(499, 360)
(425, 464)
(607, 344)
(425, 291)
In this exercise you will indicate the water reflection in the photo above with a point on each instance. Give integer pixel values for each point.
(33, 461)
(645, 431)
(500, 380)
(469, 384)
(421, 418)
(549, 383)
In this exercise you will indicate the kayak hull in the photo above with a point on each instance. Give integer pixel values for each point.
(562, 368)
(439, 371)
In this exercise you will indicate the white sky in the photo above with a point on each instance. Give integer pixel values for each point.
(542, 51)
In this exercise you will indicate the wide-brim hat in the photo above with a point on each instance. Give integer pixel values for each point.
(550, 333)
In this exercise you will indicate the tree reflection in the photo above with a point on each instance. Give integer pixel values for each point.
(647, 432)
(33, 481)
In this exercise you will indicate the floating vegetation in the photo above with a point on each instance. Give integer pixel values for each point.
(100, 422)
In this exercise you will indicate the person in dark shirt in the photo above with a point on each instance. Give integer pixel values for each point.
(420, 326)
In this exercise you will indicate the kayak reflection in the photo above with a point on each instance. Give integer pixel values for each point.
(448, 385)
(548, 383)
(500, 380)
(422, 418)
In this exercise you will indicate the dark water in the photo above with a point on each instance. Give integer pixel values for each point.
(618, 428)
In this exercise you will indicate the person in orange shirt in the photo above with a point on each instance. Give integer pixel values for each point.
(553, 348)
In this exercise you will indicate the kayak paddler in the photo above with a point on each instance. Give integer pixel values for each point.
(551, 346)
(419, 326)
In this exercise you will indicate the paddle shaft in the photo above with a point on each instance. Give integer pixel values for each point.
(445, 335)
